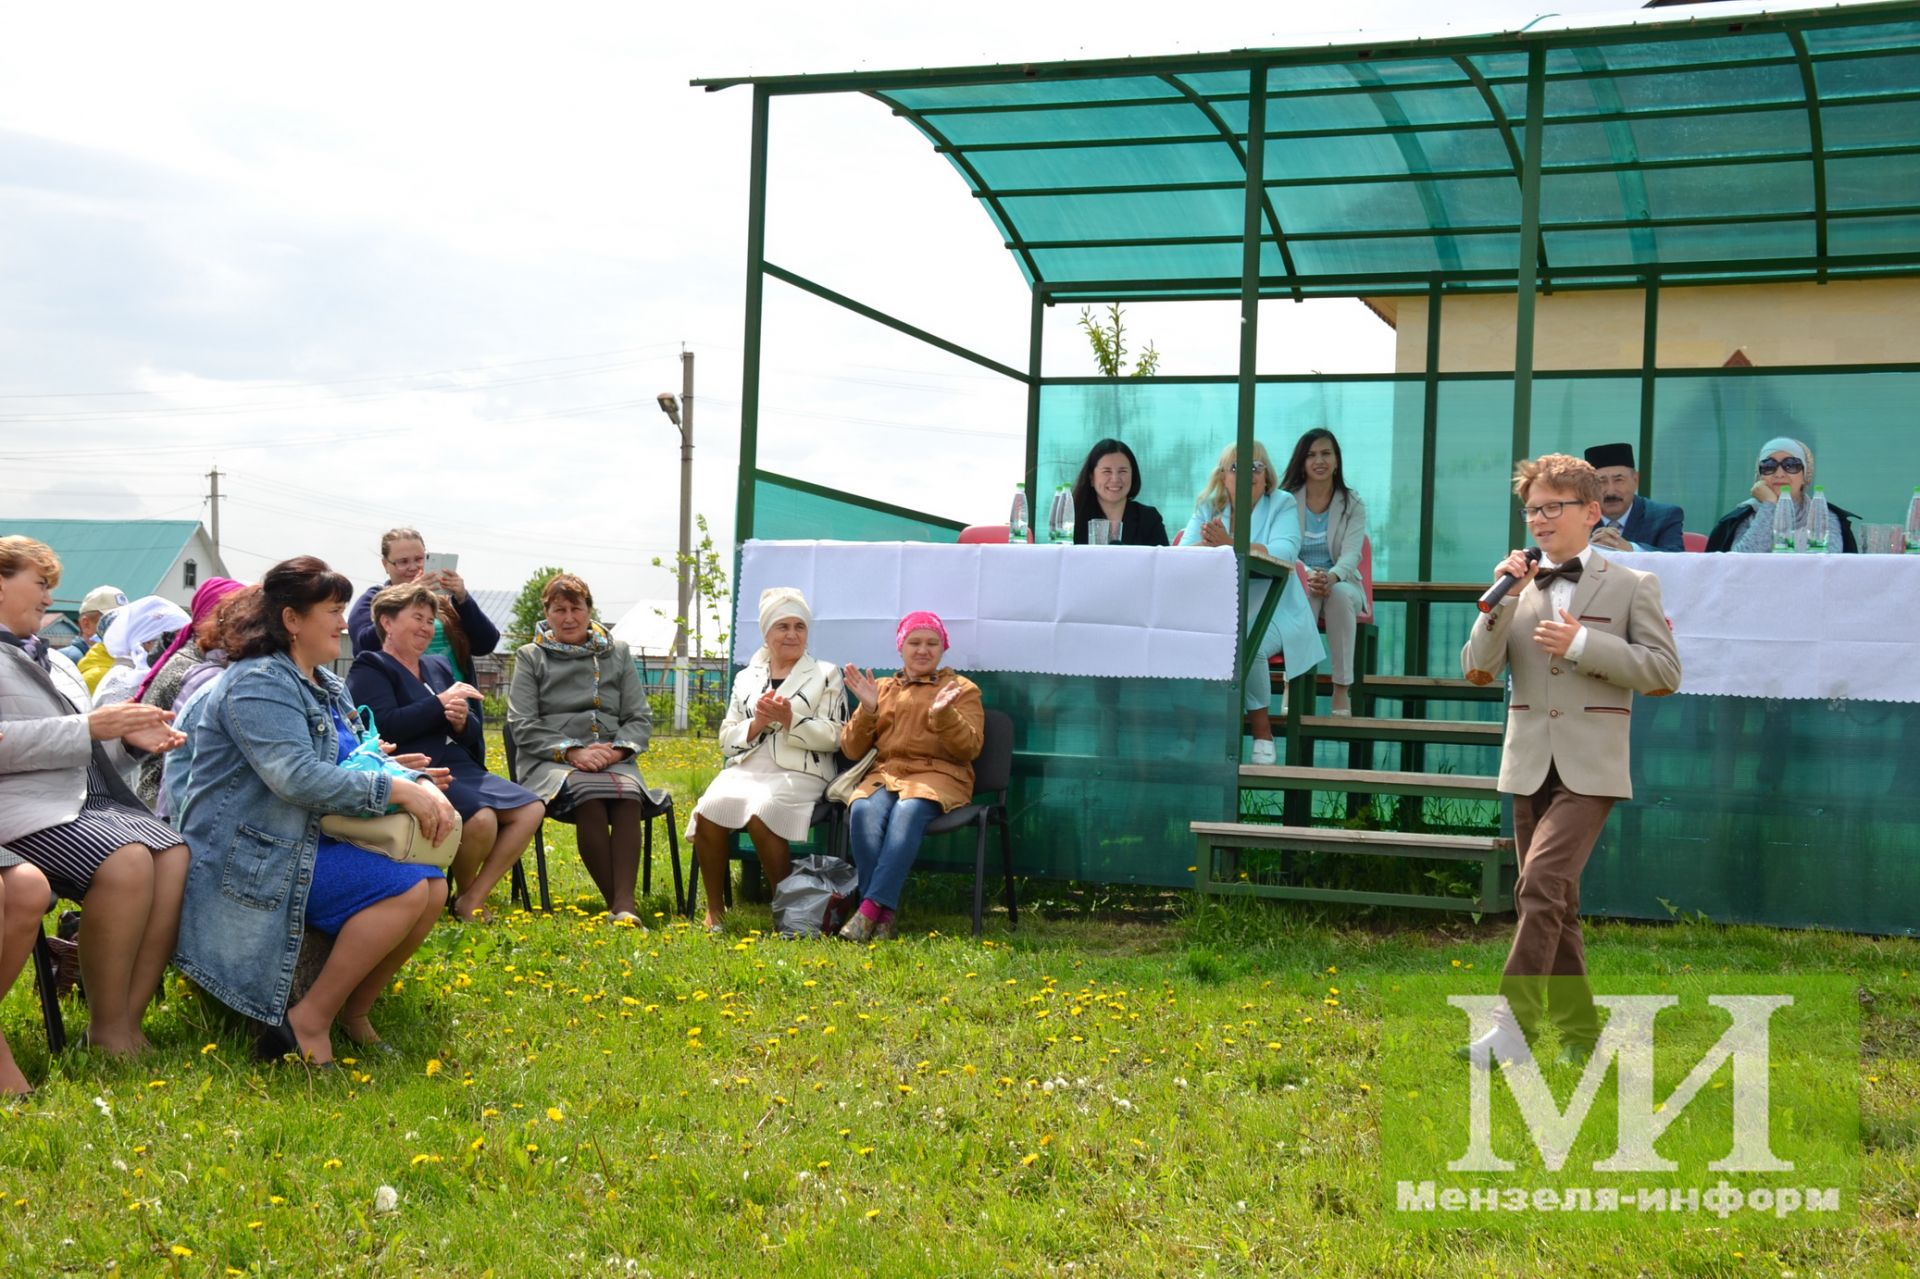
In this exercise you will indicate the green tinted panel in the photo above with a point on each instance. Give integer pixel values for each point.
(1110, 166)
(1856, 77)
(781, 510)
(1882, 182)
(1107, 776)
(1099, 217)
(1451, 150)
(1861, 427)
(1075, 124)
(1111, 89)
(1795, 813)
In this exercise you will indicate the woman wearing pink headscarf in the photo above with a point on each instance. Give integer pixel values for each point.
(928, 726)
(162, 685)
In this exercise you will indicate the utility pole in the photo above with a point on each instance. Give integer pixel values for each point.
(213, 502)
(680, 413)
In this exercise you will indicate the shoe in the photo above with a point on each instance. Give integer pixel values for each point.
(380, 1046)
(857, 928)
(628, 919)
(1503, 1045)
(276, 1042)
(1263, 750)
(1574, 1053)
(884, 931)
(1342, 712)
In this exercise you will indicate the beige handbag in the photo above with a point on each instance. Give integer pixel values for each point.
(840, 790)
(396, 835)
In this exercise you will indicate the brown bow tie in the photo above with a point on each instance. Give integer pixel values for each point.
(1570, 571)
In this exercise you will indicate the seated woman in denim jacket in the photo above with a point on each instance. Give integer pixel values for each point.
(266, 745)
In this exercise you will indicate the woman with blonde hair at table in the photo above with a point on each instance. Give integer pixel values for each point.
(778, 739)
(1273, 530)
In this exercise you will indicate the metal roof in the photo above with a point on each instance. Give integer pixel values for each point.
(1700, 144)
(133, 555)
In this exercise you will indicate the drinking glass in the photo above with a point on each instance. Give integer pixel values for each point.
(1099, 533)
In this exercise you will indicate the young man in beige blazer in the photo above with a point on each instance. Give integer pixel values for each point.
(1579, 636)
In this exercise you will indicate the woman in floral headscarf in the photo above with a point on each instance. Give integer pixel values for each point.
(928, 726)
(579, 717)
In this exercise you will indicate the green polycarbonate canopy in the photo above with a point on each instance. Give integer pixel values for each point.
(1701, 144)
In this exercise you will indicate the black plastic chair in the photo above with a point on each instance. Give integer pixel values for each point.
(648, 811)
(44, 978)
(992, 778)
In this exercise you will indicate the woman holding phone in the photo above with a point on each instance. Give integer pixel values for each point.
(461, 629)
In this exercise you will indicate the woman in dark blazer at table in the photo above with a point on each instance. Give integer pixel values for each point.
(1108, 483)
(422, 707)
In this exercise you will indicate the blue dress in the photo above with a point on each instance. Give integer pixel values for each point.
(346, 879)
(406, 709)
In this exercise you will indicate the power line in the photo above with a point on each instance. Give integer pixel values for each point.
(378, 377)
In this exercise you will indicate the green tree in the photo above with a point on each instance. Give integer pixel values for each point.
(527, 612)
(1109, 345)
(708, 615)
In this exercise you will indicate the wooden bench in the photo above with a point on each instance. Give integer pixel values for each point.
(1217, 869)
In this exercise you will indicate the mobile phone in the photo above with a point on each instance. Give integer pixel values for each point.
(442, 562)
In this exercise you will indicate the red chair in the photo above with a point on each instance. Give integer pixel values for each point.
(1694, 541)
(984, 534)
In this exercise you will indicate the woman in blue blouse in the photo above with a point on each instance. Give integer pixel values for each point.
(1273, 530)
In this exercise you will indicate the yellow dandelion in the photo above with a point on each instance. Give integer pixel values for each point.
(872, 1213)
(824, 1164)
(331, 1163)
(865, 1150)
(276, 1200)
(209, 1048)
(478, 1142)
(256, 1225)
(1047, 1140)
(556, 1115)
(181, 1250)
(1028, 1161)
(433, 1067)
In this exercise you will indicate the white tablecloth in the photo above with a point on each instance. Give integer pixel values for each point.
(1839, 626)
(1054, 610)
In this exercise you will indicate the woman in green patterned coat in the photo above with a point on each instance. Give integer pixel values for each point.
(579, 717)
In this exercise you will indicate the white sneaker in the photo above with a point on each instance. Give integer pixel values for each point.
(1501, 1046)
(1263, 752)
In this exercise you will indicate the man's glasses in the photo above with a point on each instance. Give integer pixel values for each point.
(1791, 465)
(1545, 511)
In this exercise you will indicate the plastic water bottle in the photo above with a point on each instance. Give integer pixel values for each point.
(1017, 517)
(1053, 516)
(1783, 521)
(1913, 523)
(1066, 514)
(1817, 524)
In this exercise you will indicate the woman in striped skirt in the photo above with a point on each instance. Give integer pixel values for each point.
(67, 812)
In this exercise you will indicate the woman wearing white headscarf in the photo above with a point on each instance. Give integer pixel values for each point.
(1784, 466)
(779, 737)
(139, 632)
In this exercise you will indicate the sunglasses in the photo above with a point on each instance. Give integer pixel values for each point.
(1233, 468)
(1791, 465)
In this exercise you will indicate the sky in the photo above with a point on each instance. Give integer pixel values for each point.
(430, 265)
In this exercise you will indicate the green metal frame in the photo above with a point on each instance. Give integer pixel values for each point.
(1458, 69)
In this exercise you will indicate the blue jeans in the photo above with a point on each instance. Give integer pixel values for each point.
(886, 833)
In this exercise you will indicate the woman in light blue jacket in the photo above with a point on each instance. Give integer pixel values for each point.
(1273, 529)
(266, 744)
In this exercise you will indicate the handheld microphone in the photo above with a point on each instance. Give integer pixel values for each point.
(1504, 583)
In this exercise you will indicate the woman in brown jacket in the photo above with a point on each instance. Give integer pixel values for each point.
(927, 725)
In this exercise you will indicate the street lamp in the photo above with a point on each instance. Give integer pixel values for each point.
(680, 413)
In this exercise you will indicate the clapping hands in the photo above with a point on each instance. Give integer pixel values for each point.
(770, 710)
(863, 686)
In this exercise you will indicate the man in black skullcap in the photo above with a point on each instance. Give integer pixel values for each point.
(1629, 522)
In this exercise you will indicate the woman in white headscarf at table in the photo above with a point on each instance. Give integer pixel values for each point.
(778, 739)
(1785, 466)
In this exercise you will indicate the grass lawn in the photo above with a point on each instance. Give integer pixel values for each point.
(1173, 1091)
